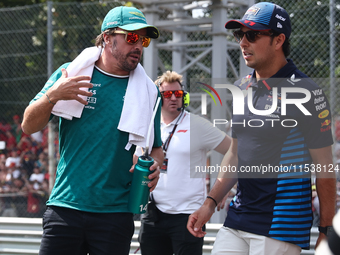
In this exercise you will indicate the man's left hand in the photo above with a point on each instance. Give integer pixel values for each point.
(154, 177)
(321, 237)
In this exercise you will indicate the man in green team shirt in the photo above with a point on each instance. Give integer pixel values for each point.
(104, 114)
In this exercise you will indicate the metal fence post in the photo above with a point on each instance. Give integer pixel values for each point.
(51, 132)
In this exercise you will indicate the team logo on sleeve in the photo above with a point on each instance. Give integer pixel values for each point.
(325, 126)
(323, 114)
(326, 123)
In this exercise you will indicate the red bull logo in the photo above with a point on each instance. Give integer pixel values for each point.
(326, 123)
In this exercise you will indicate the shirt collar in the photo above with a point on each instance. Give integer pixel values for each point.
(177, 118)
(275, 79)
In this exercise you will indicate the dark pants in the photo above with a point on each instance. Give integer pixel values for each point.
(168, 235)
(73, 232)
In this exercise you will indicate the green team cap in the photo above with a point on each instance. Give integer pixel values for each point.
(129, 19)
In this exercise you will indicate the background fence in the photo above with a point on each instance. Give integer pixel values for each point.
(36, 39)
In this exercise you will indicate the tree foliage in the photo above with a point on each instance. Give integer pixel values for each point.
(24, 56)
(14, 3)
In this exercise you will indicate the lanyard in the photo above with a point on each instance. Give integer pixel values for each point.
(167, 141)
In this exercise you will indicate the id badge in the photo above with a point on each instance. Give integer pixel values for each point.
(164, 167)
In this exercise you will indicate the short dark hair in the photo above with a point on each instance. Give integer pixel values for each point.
(286, 44)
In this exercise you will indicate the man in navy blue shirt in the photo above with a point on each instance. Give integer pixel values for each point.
(283, 135)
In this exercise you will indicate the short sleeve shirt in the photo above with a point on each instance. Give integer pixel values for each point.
(93, 171)
(180, 189)
(278, 206)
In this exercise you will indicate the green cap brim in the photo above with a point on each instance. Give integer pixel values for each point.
(151, 31)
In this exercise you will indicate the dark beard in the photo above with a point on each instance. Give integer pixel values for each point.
(122, 60)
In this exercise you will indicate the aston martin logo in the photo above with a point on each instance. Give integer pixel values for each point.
(137, 14)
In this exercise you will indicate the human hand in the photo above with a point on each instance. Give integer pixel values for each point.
(321, 237)
(154, 177)
(197, 220)
(69, 88)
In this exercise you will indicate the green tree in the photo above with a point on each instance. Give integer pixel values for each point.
(23, 40)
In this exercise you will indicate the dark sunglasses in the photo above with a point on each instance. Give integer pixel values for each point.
(133, 38)
(168, 93)
(251, 35)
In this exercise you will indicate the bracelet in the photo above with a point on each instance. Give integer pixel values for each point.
(49, 100)
(212, 199)
(326, 230)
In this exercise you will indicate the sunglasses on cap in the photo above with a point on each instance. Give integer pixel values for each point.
(168, 93)
(133, 38)
(251, 35)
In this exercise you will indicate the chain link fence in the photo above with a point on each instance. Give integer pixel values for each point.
(25, 65)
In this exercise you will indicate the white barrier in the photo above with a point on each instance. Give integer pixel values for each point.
(19, 236)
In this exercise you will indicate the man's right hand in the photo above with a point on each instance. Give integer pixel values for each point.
(68, 88)
(198, 219)
(37, 114)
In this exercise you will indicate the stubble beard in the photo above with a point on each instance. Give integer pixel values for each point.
(122, 60)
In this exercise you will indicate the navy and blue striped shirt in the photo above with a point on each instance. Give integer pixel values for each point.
(277, 203)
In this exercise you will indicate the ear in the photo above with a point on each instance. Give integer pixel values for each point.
(106, 38)
(279, 40)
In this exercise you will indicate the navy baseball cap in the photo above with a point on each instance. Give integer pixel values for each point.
(264, 16)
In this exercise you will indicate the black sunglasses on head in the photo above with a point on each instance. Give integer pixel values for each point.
(251, 35)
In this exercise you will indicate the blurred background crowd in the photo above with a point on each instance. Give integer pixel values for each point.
(24, 171)
(24, 175)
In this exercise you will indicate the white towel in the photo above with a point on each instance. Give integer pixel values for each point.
(83, 64)
(140, 98)
(139, 101)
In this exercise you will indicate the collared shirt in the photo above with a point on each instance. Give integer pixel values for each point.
(278, 206)
(181, 189)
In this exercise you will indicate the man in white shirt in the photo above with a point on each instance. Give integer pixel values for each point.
(13, 158)
(186, 140)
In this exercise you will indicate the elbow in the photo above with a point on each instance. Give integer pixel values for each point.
(26, 129)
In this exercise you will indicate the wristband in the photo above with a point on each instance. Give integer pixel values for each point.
(212, 199)
(49, 100)
(326, 230)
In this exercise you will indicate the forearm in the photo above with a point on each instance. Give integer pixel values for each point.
(219, 190)
(325, 184)
(226, 180)
(326, 190)
(223, 184)
(36, 116)
(158, 155)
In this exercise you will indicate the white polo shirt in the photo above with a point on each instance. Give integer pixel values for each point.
(177, 192)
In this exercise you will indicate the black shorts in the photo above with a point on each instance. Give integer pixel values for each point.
(73, 232)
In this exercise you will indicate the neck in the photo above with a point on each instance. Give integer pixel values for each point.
(271, 69)
(168, 117)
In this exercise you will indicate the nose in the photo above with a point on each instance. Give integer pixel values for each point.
(244, 41)
(173, 97)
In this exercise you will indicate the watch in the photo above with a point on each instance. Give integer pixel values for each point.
(326, 230)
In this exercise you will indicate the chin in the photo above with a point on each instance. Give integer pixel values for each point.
(174, 110)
